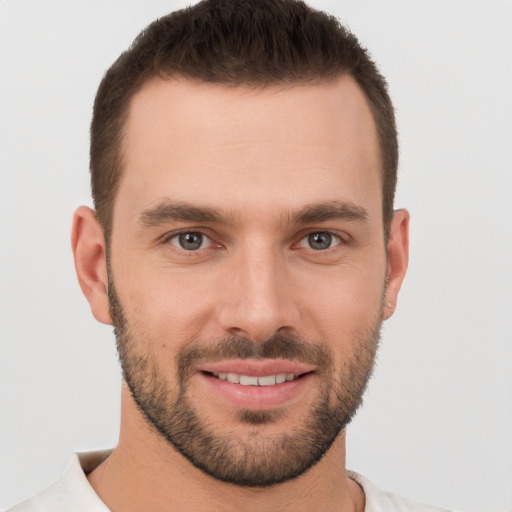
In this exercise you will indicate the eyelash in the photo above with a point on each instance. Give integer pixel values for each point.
(341, 238)
(333, 237)
(167, 240)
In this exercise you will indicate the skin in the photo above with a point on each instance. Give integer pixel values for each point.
(259, 157)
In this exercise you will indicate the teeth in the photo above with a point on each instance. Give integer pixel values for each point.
(245, 380)
(248, 380)
(234, 378)
(270, 380)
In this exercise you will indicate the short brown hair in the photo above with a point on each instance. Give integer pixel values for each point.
(255, 43)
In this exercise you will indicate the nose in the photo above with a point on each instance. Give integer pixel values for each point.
(258, 298)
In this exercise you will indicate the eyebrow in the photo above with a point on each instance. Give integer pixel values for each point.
(332, 210)
(169, 211)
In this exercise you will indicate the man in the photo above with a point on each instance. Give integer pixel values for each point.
(245, 249)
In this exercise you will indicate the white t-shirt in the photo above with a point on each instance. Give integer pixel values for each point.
(73, 493)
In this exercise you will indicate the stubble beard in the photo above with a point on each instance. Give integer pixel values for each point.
(257, 460)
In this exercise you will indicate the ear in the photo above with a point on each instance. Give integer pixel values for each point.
(89, 251)
(398, 259)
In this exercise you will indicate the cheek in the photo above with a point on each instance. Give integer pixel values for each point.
(166, 308)
(347, 309)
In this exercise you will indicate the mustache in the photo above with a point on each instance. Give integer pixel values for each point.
(279, 346)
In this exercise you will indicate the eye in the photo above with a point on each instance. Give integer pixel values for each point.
(190, 240)
(320, 241)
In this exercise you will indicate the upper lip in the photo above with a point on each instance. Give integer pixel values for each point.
(257, 368)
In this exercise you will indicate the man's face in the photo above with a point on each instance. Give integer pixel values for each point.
(248, 270)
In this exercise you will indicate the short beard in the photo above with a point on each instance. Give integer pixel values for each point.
(259, 460)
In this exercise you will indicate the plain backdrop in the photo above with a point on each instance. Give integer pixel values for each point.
(437, 420)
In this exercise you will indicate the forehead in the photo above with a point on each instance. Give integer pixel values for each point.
(204, 143)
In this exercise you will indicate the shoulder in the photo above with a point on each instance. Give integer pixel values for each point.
(71, 493)
(383, 501)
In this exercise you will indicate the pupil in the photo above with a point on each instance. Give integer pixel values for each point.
(319, 241)
(191, 241)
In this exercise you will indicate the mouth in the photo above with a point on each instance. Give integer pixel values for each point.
(254, 380)
(257, 385)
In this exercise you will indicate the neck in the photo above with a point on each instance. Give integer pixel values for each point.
(144, 472)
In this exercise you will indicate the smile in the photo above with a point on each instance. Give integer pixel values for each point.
(256, 384)
(250, 380)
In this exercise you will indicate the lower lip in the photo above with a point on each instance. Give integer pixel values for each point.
(258, 397)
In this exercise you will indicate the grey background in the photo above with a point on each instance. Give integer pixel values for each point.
(437, 421)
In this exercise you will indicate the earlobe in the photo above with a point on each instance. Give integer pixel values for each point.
(89, 251)
(398, 259)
